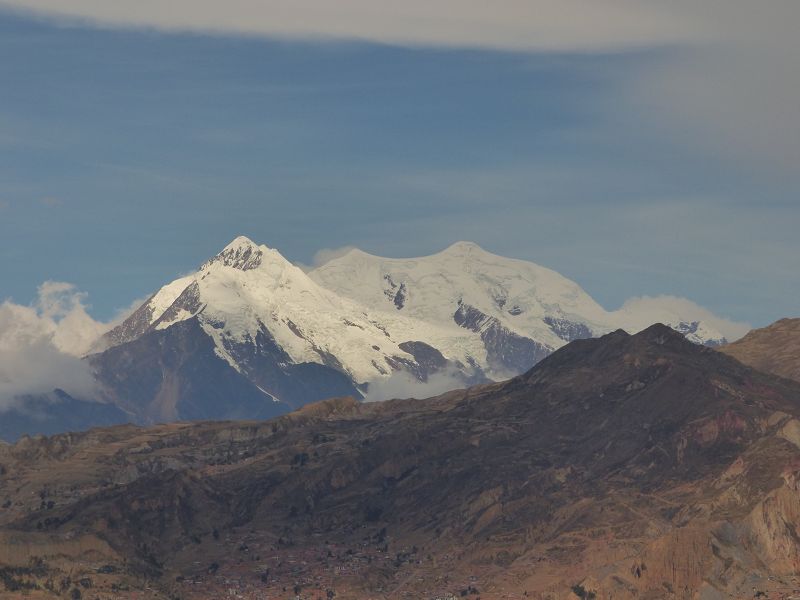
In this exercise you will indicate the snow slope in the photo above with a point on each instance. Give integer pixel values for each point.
(520, 294)
(525, 298)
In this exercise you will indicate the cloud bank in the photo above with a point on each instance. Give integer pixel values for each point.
(41, 345)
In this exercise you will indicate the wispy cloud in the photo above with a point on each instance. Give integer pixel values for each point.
(737, 86)
(737, 89)
(503, 24)
(325, 255)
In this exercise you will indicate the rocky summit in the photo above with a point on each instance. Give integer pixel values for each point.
(628, 466)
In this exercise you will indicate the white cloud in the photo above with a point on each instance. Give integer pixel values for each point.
(60, 311)
(41, 345)
(643, 311)
(402, 384)
(503, 24)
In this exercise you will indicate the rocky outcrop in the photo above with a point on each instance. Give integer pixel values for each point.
(506, 351)
(567, 330)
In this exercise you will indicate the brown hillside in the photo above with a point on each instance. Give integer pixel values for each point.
(622, 467)
(774, 349)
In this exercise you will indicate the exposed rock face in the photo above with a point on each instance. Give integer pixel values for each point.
(188, 302)
(134, 326)
(400, 296)
(240, 254)
(428, 359)
(774, 349)
(506, 351)
(568, 331)
(622, 467)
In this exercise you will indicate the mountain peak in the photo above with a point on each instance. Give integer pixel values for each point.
(241, 241)
(620, 349)
(242, 253)
(659, 331)
(659, 334)
(462, 248)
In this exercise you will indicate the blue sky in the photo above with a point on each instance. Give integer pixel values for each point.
(129, 155)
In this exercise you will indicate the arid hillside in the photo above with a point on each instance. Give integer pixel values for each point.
(637, 466)
(774, 349)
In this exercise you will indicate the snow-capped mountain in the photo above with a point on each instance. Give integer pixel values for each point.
(250, 334)
(469, 287)
(249, 295)
(278, 330)
(521, 311)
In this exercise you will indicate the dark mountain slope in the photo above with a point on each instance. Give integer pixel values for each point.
(54, 413)
(175, 374)
(625, 466)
